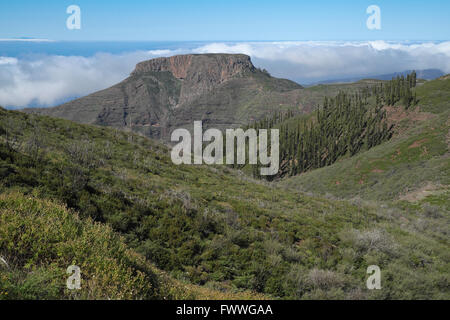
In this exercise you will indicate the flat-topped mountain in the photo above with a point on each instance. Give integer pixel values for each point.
(217, 67)
(199, 73)
(222, 90)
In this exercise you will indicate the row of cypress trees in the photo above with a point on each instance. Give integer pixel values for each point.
(343, 126)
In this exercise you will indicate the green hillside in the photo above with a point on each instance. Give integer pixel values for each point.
(435, 95)
(414, 165)
(211, 227)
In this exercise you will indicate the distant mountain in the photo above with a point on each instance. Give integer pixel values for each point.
(29, 39)
(223, 90)
(427, 74)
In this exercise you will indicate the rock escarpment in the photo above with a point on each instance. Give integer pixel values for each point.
(199, 73)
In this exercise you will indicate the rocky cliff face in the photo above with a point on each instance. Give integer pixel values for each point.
(222, 90)
(200, 73)
(216, 67)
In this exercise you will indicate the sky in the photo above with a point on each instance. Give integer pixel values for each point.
(305, 41)
(213, 20)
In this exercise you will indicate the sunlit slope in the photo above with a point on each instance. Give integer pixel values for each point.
(40, 239)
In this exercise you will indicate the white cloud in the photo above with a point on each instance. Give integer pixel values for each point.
(26, 40)
(48, 80)
(308, 61)
(8, 61)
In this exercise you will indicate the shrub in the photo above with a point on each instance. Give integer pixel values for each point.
(369, 240)
(325, 279)
(431, 211)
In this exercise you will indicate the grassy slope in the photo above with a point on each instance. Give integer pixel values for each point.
(434, 96)
(215, 227)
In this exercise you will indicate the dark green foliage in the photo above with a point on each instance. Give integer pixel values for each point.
(344, 126)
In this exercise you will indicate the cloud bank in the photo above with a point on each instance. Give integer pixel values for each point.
(50, 79)
(314, 61)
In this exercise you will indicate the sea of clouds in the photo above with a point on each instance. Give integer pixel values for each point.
(47, 80)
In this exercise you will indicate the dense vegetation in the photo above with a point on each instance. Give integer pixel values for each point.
(209, 226)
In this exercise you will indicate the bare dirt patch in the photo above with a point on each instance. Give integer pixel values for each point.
(397, 154)
(447, 76)
(407, 118)
(417, 143)
(423, 192)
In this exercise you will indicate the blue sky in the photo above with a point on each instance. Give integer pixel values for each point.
(226, 20)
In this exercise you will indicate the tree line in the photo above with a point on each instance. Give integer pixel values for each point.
(398, 90)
